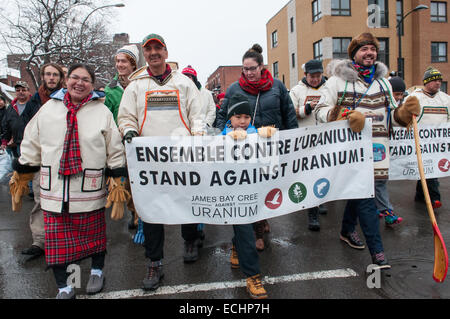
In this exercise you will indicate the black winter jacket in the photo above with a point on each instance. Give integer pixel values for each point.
(274, 108)
(13, 126)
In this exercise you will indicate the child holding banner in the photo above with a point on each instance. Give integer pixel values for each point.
(243, 252)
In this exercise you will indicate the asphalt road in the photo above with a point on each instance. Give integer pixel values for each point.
(297, 264)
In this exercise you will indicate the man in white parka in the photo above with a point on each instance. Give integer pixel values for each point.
(305, 96)
(357, 90)
(434, 109)
(160, 101)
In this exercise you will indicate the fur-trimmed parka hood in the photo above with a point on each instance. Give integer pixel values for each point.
(345, 70)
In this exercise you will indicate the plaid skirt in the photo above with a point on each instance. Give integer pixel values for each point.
(73, 237)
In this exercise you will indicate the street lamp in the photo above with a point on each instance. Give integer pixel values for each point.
(117, 5)
(400, 64)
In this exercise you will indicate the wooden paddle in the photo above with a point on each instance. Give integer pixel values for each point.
(440, 251)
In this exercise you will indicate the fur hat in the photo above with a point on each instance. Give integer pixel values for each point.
(238, 105)
(431, 74)
(360, 41)
(131, 51)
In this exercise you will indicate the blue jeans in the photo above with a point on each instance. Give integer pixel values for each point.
(244, 241)
(382, 196)
(366, 211)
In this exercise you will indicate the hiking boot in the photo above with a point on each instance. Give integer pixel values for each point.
(380, 260)
(390, 218)
(95, 284)
(34, 251)
(313, 219)
(436, 204)
(234, 260)
(154, 276)
(66, 295)
(352, 239)
(255, 287)
(191, 250)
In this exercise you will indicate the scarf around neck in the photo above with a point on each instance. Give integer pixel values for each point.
(367, 73)
(161, 77)
(254, 88)
(70, 163)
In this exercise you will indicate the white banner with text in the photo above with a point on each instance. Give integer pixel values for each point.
(217, 180)
(435, 147)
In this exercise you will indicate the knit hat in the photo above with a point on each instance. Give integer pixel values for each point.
(155, 37)
(431, 74)
(220, 96)
(360, 41)
(189, 70)
(238, 105)
(398, 85)
(313, 66)
(131, 51)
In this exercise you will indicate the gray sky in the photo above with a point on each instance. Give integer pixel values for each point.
(202, 33)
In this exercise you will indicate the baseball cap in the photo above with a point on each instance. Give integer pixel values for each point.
(21, 84)
(313, 66)
(153, 37)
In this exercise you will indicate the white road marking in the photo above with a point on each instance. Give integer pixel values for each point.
(170, 290)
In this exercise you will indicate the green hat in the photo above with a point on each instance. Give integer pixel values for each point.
(431, 74)
(155, 37)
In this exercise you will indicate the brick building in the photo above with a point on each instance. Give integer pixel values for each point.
(322, 29)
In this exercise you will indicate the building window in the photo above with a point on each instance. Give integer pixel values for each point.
(383, 52)
(438, 51)
(292, 24)
(400, 14)
(438, 11)
(382, 10)
(274, 39)
(275, 69)
(340, 8)
(317, 48)
(340, 46)
(316, 10)
(444, 87)
(293, 60)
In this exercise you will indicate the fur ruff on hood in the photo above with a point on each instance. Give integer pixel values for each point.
(344, 70)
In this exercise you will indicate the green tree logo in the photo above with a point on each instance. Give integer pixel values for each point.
(297, 193)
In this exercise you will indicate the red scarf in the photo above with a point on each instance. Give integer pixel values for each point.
(70, 163)
(254, 88)
(160, 77)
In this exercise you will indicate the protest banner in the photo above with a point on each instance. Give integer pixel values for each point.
(217, 180)
(435, 145)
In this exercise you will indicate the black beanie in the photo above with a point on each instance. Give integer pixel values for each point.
(398, 85)
(238, 105)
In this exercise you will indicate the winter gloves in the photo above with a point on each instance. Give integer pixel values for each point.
(264, 131)
(355, 118)
(117, 197)
(404, 114)
(129, 136)
(267, 131)
(18, 186)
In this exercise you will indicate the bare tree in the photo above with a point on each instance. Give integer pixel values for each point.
(58, 31)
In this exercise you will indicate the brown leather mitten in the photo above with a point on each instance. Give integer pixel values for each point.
(403, 115)
(117, 197)
(356, 120)
(238, 134)
(267, 131)
(18, 186)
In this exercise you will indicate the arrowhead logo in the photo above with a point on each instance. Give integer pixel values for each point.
(274, 199)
